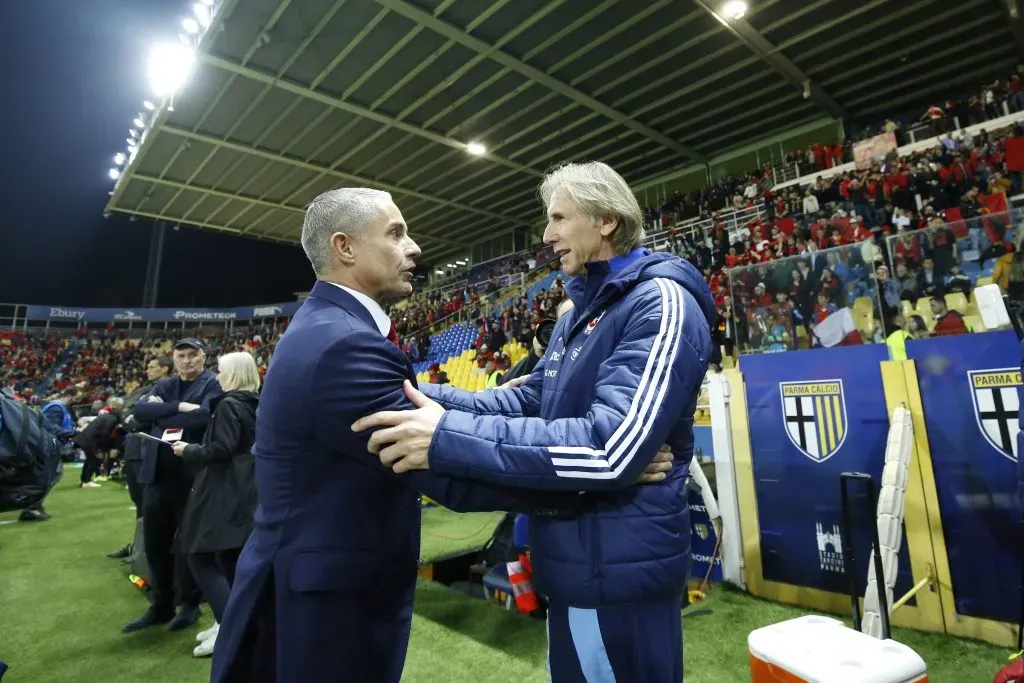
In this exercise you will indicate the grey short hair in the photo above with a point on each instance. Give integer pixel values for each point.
(600, 191)
(347, 210)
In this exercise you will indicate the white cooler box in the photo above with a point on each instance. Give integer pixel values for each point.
(815, 649)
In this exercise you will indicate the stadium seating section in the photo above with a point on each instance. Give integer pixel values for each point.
(747, 234)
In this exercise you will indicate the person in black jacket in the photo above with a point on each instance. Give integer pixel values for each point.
(98, 435)
(179, 402)
(156, 370)
(218, 516)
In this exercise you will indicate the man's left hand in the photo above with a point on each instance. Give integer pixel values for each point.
(179, 447)
(403, 437)
(513, 383)
(657, 470)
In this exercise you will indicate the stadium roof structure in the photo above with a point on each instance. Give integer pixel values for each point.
(292, 97)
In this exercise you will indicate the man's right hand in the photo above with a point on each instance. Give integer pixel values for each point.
(656, 470)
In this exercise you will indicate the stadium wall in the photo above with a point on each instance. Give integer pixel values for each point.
(962, 523)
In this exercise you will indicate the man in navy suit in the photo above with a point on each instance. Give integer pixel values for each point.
(323, 590)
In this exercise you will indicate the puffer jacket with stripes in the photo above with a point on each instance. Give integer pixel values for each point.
(620, 378)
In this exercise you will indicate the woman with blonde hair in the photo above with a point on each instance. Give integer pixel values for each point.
(218, 516)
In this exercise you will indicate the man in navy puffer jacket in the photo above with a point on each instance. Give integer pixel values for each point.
(619, 379)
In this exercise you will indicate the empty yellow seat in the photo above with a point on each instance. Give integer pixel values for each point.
(865, 323)
(862, 305)
(956, 301)
(982, 281)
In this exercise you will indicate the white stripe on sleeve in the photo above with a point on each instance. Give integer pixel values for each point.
(639, 419)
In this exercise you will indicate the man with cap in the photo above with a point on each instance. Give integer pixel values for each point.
(180, 401)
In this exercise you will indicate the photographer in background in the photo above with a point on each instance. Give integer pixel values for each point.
(100, 434)
(60, 420)
(520, 372)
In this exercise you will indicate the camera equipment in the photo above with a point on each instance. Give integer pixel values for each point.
(544, 330)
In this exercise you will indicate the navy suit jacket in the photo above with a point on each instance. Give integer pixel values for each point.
(323, 590)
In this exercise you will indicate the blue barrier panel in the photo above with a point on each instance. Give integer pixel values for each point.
(970, 394)
(815, 414)
(703, 443)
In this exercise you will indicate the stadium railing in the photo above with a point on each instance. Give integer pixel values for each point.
(13, 316)
(810, 176)
(701, 228)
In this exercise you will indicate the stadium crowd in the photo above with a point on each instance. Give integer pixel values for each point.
(771, 287)
(427, 308)
(988, 102)
(870, 216)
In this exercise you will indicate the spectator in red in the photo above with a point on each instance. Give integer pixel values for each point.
(829, 285)
(946, 322)
(823, 309)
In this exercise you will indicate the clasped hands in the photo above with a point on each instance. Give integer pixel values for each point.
(403, 437)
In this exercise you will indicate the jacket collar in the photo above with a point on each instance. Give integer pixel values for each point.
(340, 297)
(250, 397)
(587, 291)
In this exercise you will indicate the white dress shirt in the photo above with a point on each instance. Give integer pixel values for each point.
(378, 314)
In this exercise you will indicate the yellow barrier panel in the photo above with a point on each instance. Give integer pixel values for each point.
(921, 518)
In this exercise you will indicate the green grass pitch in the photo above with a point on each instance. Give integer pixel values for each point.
(62, 604)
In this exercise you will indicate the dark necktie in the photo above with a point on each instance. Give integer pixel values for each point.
(393, 335)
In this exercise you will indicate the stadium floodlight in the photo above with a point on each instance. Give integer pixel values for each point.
(170, 65)
(190, 25)
(734, 9)
(138, 122)
(149, 105)
(114, 174)
(119, 158)
(439, 272)
(476, 149)
(203, 14)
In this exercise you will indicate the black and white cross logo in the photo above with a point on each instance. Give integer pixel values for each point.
(997, 407)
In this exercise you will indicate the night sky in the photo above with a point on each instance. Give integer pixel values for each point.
(73, 79)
